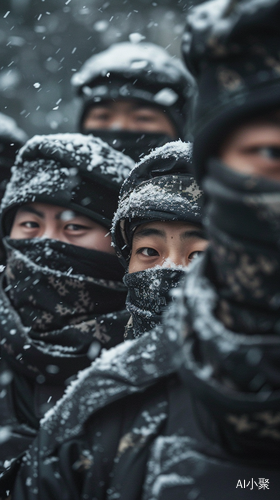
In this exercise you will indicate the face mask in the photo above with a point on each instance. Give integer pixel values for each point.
(243, 218)
(57, 299)
(231, 321)
(53, 284)
(134, 144)
(147, 297)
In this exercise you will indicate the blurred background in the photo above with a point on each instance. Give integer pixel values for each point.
(43, 42)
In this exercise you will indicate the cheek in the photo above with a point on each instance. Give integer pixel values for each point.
(94, 122)
(165, 126)
(14, 234)
(241, 162)
(202, 245)
(17, 232)
(98, 241)
(136, 264)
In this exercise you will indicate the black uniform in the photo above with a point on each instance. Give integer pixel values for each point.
(142, 72)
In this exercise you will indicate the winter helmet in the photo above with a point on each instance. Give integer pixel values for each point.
(232, 49)
(11, 140)
(75, 171)
(160, 188)
(141, 71)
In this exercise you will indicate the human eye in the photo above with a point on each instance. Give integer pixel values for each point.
(269, 152)
(144, 116)
(147, 252)
(195, 254)
(75, 227)
(29, 224)
(101, 114)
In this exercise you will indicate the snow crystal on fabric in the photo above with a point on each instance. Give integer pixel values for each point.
(164, 469)
(48, 179)
(150, 195)
(175, 148)
(50, 163)
(128, 368)
(139, 57)
(195, 317)
(156, 197)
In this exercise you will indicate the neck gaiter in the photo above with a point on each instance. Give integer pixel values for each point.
(56, 299)
(229, 310)
(134, 144)
(147, 297)
(243, 214)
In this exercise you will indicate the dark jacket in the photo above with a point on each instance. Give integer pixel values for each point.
(138, 434)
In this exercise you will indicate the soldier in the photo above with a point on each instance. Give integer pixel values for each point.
(135, 97)
(61, 294)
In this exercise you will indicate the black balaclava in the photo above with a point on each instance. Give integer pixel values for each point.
(143, 72)
(134, 144)
(229, 311)
(243, 222)
(229, 308)
(160, 188)
(57, 297)
(232, 49)
(149, 293)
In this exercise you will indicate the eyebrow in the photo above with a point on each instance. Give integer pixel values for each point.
(274, 121)
(134, 105)
(191, 233)
(149, 232)
(32, 210)
(267, 120)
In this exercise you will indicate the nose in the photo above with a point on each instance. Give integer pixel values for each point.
(50, 232)
(175, 257)
(120, 122)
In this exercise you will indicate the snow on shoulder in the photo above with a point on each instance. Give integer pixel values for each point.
(128, 368)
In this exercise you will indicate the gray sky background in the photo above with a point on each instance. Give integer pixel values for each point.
(43, 42)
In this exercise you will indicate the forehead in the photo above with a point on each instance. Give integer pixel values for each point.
(46, 208)
(125, 105)
(167, 225)
(263, 129)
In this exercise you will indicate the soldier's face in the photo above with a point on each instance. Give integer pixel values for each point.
(39, 220)
(128, 115)
(254, 148)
